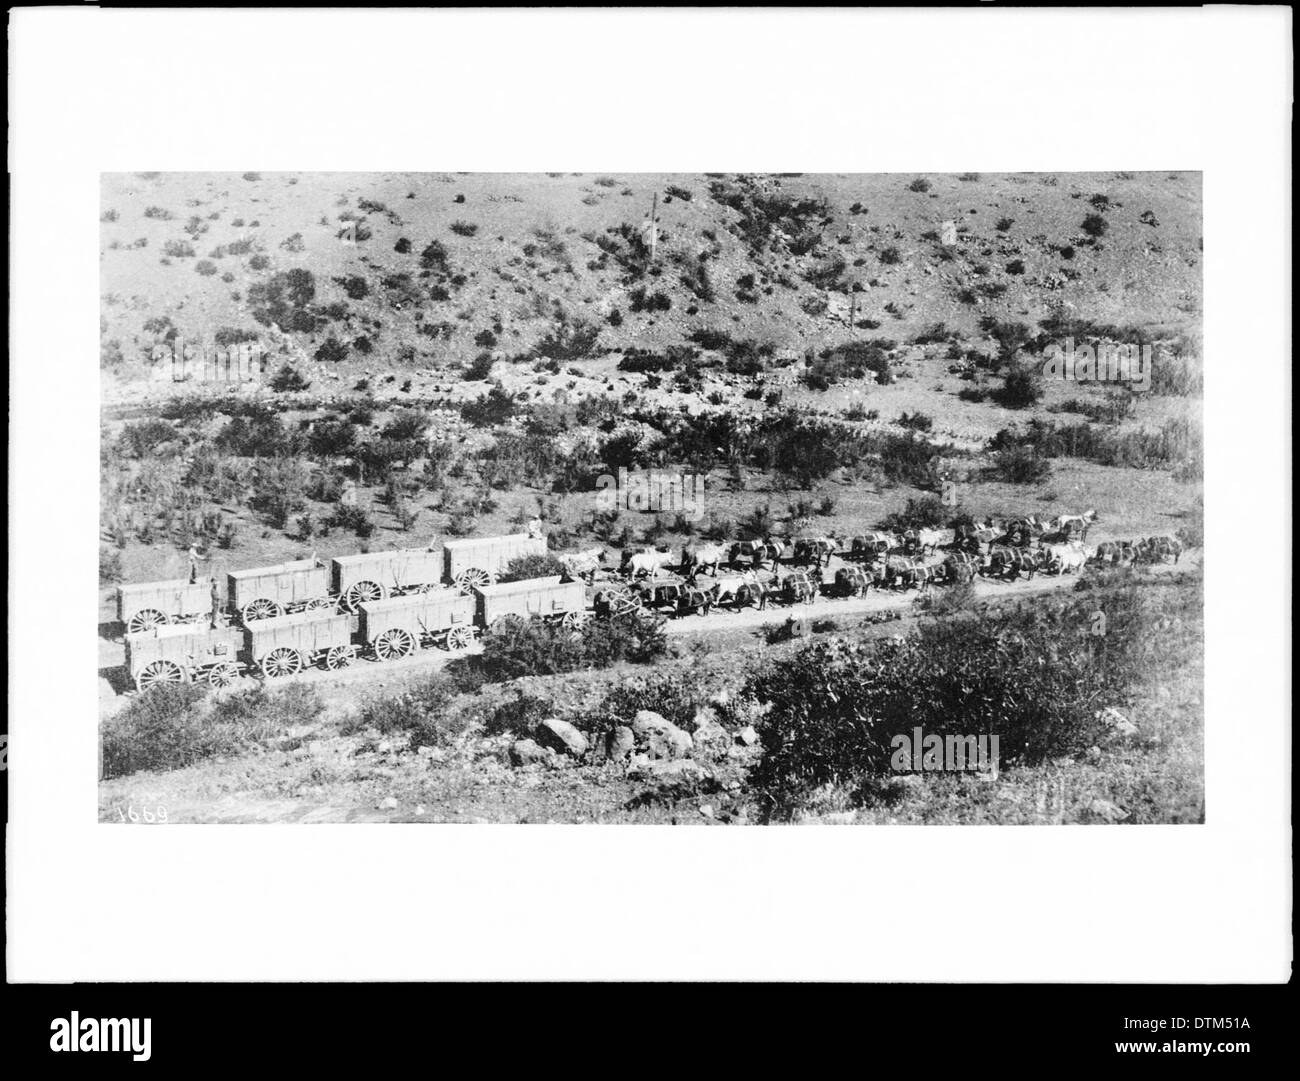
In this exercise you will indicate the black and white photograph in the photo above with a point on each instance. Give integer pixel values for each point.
(721, 496)
(713, 498)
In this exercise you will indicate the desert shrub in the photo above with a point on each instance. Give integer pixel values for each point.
(917, 422)
(1034, 677)
(279, 490)
(531, 566)
(927, 512)
(205, 267)
(331, 351)
(139, 439)
(906, 459)
(284, 299)
(464, 228)
(920, 184)
(1021, 465)
(1094, 225)
(434, 258)
(292, 243)
(158, 212)
(1021, 388)
(889, 255)
(355, 286)
(353, 518)
(176, 725)
(178, 249)
(110, 565)
(421, 711)
(570, 339)
(289, 379)
(492, 409)
(332, 438)
(228, 336)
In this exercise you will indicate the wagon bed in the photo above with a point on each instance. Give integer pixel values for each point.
(143, 605)
(262, 593)
(475, 562)
(551, 598)
(398, 626)
(375, 576)
(283, 646)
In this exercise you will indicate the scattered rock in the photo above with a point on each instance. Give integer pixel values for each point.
(524, 752)
(1119, 726)
(1107, 811)
(562, 736)
(711, 740)
(390, 804)
(419, 809)
(838, 818)
(706, 809)
(747, 736)
(660, 737)
(679, 769)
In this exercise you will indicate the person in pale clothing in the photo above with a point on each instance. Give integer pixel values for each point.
(195, 559)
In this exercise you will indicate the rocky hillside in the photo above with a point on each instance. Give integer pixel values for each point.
(395, 272)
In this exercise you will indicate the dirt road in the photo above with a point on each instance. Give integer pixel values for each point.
(365, 675)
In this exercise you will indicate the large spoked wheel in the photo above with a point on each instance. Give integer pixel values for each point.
(340, 657)
(156, 673)
(262, 608)
(574, 620)
(360, 593)
(145, 620)
(474, 578)
(281, 662)
(394, 644)
(223, 674)
(318, 603)
(459, 638)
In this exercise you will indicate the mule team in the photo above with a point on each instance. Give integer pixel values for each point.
(752, 571)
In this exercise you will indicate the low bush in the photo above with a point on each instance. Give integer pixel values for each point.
(175, 725)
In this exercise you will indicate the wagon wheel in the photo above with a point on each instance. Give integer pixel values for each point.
(340, 657)
(317, 603)
(360, 593)
(574, 619)
(394, 644)
(262, 608)
(281, 662)
(223, 674)
(459, 638)
(146, 619)
(157, 672)
(474, 578)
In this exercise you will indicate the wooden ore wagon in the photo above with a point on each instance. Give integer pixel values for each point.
(533, 598)
(153, 604)
(376, 576)
(285, 645)
(398, 626)
(475, 562)
(270, 592)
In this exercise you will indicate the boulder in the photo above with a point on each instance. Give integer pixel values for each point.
(659, 736)
(562, 736)
(525, 752)
(1118, 726)
(747, 736)
(1106, 811)
(711, 740)
(680, 769)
